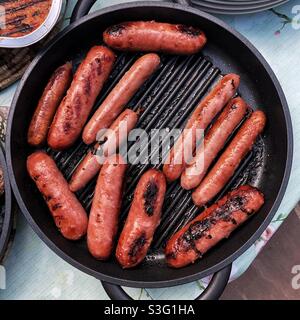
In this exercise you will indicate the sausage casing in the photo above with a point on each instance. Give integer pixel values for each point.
(214, 224)
(202, 116)
(155, 36)
(91, 164)
(103, 219)
(143, 219)
(76, 106)
(214, 141)
(121, 94)
(229, 161)
(48, 103)
(69, 216)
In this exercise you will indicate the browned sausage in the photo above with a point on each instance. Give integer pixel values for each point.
(204, 113)
(48, 103)
(75, 108)
(113, 105)
(155, 36)
(213, 143)
(142, 220)
(91, 164)
(69, 216)
(103, 220)
(229, 161)
(213, 225)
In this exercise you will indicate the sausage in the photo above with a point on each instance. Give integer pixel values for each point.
(213, 225)
(48, 103)
(76, 106)
(113, 105)
(103, 220)
(91, 164)
(229, 161)
(204, 113)
(69, 216)
(155, 36)
(231, 116)
(143, 219)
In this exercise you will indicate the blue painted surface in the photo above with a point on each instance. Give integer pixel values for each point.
(35, 272)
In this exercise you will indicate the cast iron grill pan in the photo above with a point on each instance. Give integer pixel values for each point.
(165, 101)
(267, 168)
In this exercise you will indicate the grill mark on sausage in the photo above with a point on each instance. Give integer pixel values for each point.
(150, 196)
(36, 177)
(189, 31)
(56, 206)
(200, 229)
(137, 245)
(56, 75)
(48, 198)
(67, 127)
(116, 30)
(87, 87)
(98, 67)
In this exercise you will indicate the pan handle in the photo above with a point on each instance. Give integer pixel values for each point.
(81, 9)
(213, 291)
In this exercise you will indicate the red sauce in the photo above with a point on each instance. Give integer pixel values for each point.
(22, 16)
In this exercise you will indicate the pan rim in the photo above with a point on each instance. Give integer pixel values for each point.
(196, 275)
(8, 211)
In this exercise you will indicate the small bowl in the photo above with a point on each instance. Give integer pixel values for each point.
(37, 34)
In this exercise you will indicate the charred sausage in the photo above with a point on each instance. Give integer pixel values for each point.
(142, 220)
(155, 36)
(48, 103)
(75, 108)
(113, 105)
(91, 164)
(69, 216)
(213, 225)
(204, 113)
(103, 220)
(231, 116)
(229, 161)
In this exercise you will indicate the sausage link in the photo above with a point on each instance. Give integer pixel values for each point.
(215, 140)
(69, 216)
(48, 103)
(113, 105)
(103, 220)
(213, 225)
(155, 36)
(204, 113)
(229, 161)
(75, 108)
(143, 219)
(91, 164)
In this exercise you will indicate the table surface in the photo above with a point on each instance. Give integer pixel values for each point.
(33, 271)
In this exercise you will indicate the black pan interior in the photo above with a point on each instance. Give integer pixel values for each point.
(224, 52)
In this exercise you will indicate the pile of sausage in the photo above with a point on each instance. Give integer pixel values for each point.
(62, 116)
